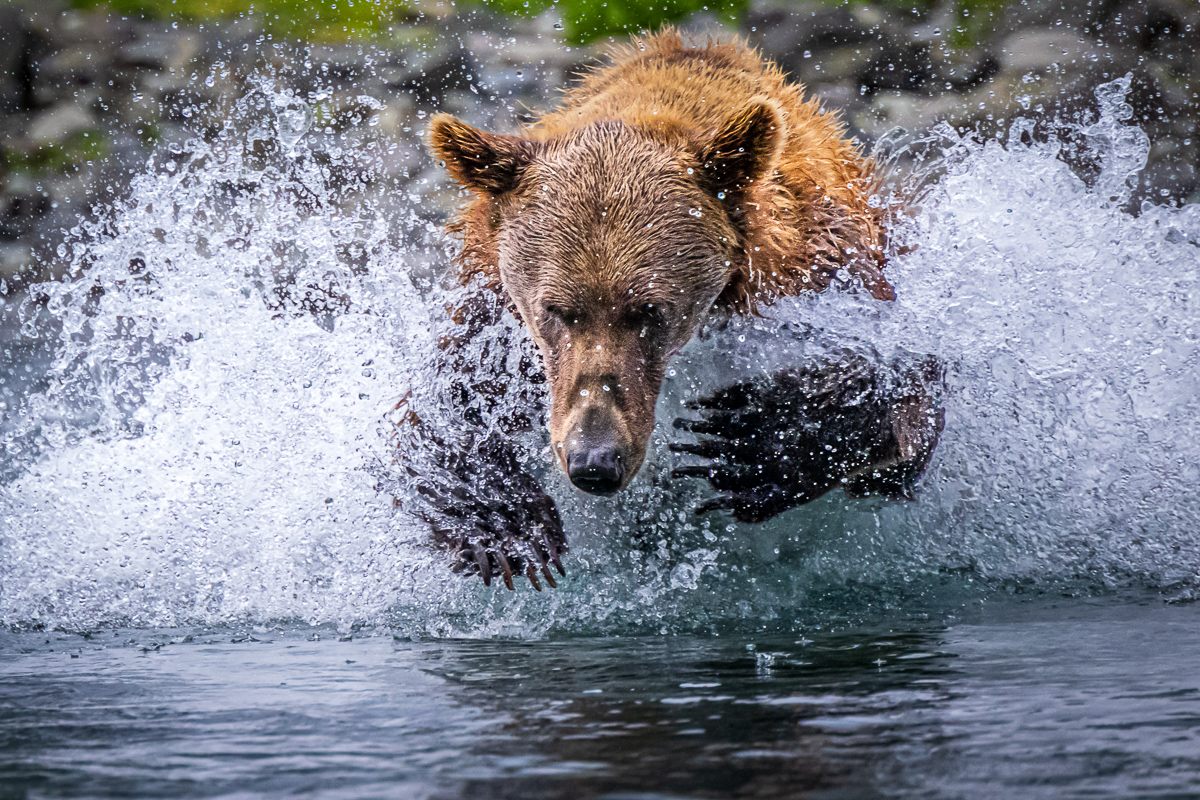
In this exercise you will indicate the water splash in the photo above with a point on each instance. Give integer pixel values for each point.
(208, 444)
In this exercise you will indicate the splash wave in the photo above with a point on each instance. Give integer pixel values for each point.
(209, 440)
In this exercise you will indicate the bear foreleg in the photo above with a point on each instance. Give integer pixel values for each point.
(481, 506)
(777, 442)
(461, 458)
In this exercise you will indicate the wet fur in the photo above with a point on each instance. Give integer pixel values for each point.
(805, 218)
(673, 183)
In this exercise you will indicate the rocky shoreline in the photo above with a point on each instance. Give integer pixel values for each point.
(87, 97)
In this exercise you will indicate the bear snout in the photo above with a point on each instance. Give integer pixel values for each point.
(596, 452)
(597, 469)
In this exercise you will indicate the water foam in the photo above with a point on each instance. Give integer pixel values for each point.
(209, 443)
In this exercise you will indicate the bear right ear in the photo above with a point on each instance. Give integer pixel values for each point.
(480, 161)
(744, 149)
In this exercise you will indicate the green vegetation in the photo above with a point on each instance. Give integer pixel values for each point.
(583, 20)
(341, 20)
(55, 159)
(317, 21)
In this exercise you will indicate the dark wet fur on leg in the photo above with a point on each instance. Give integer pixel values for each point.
(465, 476)
(777, 442)
(491, 515)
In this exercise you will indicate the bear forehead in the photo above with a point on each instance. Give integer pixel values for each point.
(612, 164)
(615, 196)
(614, 255)
(618, 285)
(609, 213)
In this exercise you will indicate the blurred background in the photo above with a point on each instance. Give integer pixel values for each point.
(90, 91)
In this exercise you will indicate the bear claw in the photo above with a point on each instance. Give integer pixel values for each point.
(777, 442)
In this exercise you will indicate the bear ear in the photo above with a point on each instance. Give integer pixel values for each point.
(480, 161)
(744, 149)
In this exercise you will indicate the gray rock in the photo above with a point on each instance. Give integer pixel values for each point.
(1050, 14)
(55, 125)
(76, 26)
(1151, 26)
(842, 64)
(1037, 52)
(161, 84)
(15, 259)
(894, 109)
(160, 50)
(58, 76)
(834, 96)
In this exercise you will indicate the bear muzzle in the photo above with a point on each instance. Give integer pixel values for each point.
(596, 470)
(596, 452)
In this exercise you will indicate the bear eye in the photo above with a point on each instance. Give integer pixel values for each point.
(561, 314)
(652, 315)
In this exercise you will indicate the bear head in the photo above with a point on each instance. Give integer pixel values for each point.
(613, 241)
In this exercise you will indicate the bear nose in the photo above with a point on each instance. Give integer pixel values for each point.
(596, 470)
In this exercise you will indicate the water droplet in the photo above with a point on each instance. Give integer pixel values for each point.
(294, 121)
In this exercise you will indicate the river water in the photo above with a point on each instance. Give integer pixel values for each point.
(197, 501)
(1034, 700)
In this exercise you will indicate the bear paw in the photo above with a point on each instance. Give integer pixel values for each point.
(500, 525)
(512, 556)
(781, 441)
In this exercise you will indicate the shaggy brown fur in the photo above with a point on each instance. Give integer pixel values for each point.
(674, 182)
(803, 218)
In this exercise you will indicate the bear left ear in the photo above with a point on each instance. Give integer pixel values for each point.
(480, 161)
(744, 149)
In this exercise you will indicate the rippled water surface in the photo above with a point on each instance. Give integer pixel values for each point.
(1038, 699)
(211, 589)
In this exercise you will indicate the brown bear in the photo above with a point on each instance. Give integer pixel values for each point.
(676, 185)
